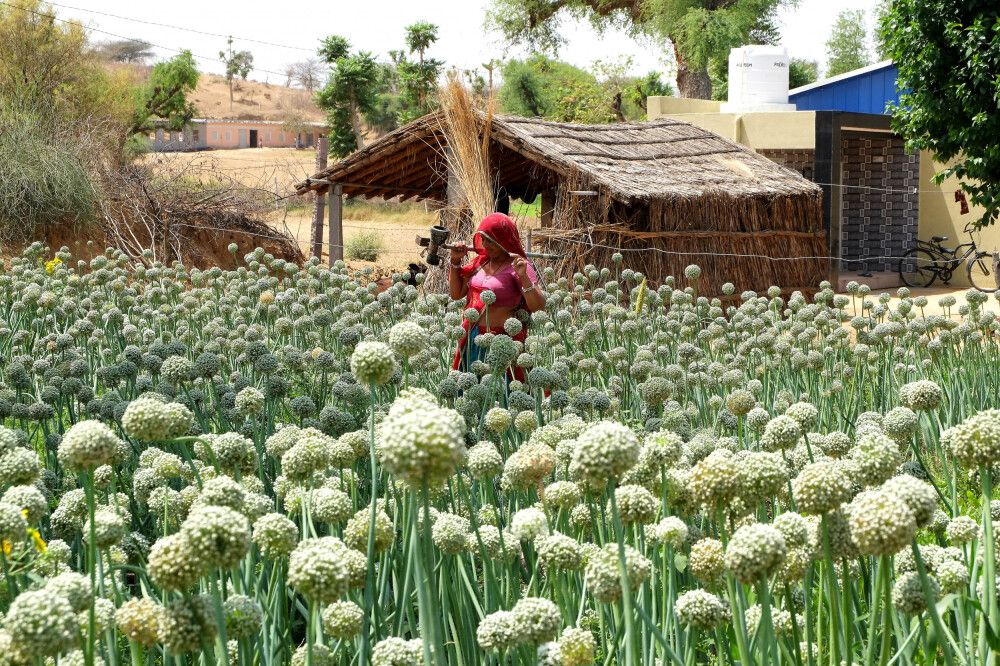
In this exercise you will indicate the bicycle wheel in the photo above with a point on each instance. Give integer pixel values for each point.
(981, 272)
(918, 268)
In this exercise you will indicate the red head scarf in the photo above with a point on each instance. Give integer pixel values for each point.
(502, 230)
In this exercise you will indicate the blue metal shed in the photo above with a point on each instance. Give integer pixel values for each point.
(865, 90)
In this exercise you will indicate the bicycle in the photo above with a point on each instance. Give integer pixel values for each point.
(931, 260)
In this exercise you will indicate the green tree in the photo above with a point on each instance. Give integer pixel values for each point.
(350, 94)
(418, 78)
(847, 48)
(701, 31)
(47, 69)
(881, 49)
(164, 96)
(542, 87)
(546, 88)
(802, 72)
(948, 55)
(63, 118)
(639, 89)
(238, 63)
(126, 50)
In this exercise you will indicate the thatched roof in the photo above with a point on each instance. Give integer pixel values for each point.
(663, 159)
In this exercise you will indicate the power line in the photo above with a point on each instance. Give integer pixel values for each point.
(184, 29)
(53, 17)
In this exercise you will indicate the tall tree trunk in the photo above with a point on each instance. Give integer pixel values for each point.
(692, 83)
(616, 106)
(359, 135)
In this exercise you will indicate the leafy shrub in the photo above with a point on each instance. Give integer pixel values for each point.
(364, 246)
(44, 180)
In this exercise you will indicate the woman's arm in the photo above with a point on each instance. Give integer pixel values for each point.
(531, 289)
(457, 285)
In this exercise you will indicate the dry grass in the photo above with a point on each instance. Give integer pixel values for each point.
(468, 155)
(276, 170)
(253, 100)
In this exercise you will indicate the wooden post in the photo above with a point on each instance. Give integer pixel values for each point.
(547, 208)
(336, 234)
(316, 233)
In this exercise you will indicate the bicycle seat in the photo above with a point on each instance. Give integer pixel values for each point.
(939, 239)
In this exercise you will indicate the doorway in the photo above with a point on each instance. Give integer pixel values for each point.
(253, 138)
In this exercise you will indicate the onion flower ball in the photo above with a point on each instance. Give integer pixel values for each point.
(87, 445)
(603, 453)
(373, 363)
(755, 551)
(701, 609)
(422, 443)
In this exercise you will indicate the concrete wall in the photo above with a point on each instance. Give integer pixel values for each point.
(786, 137)
(792, 130)
(222, 134)
(941, 216)
(659, 107)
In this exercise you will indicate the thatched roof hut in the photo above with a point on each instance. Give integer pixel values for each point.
(667, 193)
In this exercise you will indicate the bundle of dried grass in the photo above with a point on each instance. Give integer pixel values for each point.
(471, 191)
(467, 156)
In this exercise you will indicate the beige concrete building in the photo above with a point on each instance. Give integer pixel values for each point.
(878, 198)
(222, 133)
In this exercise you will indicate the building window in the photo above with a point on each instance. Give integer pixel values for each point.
(215, 135)
(281, 137)
(195, 135)
(227, 135)
(269, 137)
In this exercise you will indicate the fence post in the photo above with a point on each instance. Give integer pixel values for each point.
(336, 234)
(316, 233)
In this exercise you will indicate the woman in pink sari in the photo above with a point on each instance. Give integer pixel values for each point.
(500, 266)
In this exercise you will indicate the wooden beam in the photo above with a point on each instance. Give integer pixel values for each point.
(391, 162)
(362, 186)
(336, 235)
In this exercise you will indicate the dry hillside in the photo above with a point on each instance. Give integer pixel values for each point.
(252, 100)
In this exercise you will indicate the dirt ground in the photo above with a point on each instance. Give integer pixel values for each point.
(276, 170)
(398, 236)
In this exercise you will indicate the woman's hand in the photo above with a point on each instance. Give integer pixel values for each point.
(458, 252)
(520, 265)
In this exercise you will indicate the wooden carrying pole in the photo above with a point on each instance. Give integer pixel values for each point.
(336, 206)
(316, 232)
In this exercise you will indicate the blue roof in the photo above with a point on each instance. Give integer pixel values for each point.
(865, 90)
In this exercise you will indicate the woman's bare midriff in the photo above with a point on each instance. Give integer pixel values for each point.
(497, 316)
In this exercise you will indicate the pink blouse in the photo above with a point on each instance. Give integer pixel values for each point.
(504, 284)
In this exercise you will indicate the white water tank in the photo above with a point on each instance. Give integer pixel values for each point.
(758, 79)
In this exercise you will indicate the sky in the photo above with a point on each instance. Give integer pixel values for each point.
(377, 26)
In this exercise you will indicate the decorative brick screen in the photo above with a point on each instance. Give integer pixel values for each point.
(878, 205)
(802, 161)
